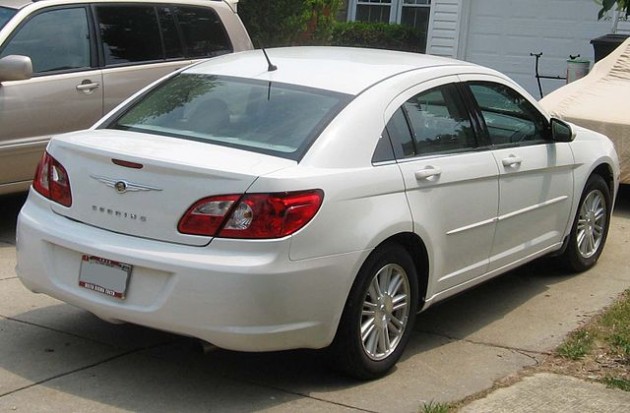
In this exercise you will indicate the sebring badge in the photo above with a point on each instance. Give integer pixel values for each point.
(121, 186)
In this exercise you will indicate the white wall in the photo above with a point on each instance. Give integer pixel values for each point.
(502, 33)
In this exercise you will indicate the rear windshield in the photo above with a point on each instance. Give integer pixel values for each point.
(260, 116)
(5, 15)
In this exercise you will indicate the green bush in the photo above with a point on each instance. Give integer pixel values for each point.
(273, 23)
(379, 36)
(622, 5)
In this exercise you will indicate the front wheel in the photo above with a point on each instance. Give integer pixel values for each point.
(379, 315)
(590, 227)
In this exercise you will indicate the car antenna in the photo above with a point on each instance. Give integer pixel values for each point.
(271, 67)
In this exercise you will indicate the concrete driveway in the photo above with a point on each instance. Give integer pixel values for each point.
(54, 357)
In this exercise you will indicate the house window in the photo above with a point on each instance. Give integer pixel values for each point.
(414, 13)
(374, 11)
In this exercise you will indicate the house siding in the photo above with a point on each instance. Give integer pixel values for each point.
(502, 33)
(444, 27)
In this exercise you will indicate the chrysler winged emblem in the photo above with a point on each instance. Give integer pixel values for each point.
(121, 186)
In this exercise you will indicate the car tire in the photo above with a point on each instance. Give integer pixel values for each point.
(377, 322)
(590, 227)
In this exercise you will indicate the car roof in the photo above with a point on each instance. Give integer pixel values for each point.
(340, 69)
(15, 4)
(18, 4)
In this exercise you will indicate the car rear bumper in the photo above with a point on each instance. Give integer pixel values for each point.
(237, 295)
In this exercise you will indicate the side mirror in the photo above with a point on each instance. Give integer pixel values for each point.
(15, 67)
(561, 131)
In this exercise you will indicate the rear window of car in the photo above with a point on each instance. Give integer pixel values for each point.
(268, 117)
(5, 15)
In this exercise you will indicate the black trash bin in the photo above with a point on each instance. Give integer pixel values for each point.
(605, 44)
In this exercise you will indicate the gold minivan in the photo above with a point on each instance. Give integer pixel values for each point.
(65, 63)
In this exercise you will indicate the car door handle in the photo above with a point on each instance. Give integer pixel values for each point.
(87, 85)
(512, 161)
(428, 172)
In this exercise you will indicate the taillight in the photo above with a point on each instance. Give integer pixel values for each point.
(51, 180)
(251, 216)
(207, 215)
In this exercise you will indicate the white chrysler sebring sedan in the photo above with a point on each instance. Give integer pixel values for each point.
(317, 199)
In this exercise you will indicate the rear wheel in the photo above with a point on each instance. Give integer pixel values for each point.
(379, 315)
(590, 228)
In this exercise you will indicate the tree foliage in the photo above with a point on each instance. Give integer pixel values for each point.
(288, 22)
(623, 6)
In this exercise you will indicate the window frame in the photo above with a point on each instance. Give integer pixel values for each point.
(395, 8)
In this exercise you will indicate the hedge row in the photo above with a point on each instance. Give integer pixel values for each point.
(379, 36)
(274, 23)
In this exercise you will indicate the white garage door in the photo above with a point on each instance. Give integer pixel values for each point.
(502, 34)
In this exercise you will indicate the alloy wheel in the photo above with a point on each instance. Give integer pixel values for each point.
(385, 313)
(591, 224)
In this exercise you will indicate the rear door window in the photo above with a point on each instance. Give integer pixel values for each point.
(435, 121)
(173, 46)
(203, 32)
(439, 121)
(146, 33)
(129, 34)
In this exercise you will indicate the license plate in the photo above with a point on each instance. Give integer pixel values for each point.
(104, 276)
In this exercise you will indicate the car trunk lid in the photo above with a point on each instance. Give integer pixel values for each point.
(141, 185)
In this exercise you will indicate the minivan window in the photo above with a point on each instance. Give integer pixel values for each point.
(204, 34)
(277, 119)
(159, 33)
(173, 48)
(129, 33)
(5, 15)
(54, 40)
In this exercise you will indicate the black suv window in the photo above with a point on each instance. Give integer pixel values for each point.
(129, 33)
(54, 40)
(204, 34)
(141, 33)
(510, 118)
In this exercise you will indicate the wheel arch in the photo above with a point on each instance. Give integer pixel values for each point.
(606, 172)
(417, 250)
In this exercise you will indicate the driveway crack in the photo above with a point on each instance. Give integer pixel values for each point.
(79, 369)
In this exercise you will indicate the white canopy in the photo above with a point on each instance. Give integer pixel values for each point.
(600, 101)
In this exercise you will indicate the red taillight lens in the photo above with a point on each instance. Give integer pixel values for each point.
(51, 180)
(207, 215)
(253, 216)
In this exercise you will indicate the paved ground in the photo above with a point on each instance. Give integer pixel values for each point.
(54, 357)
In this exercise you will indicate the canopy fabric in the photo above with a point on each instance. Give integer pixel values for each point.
(600, 101)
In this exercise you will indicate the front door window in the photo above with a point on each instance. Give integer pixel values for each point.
(55, 40)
